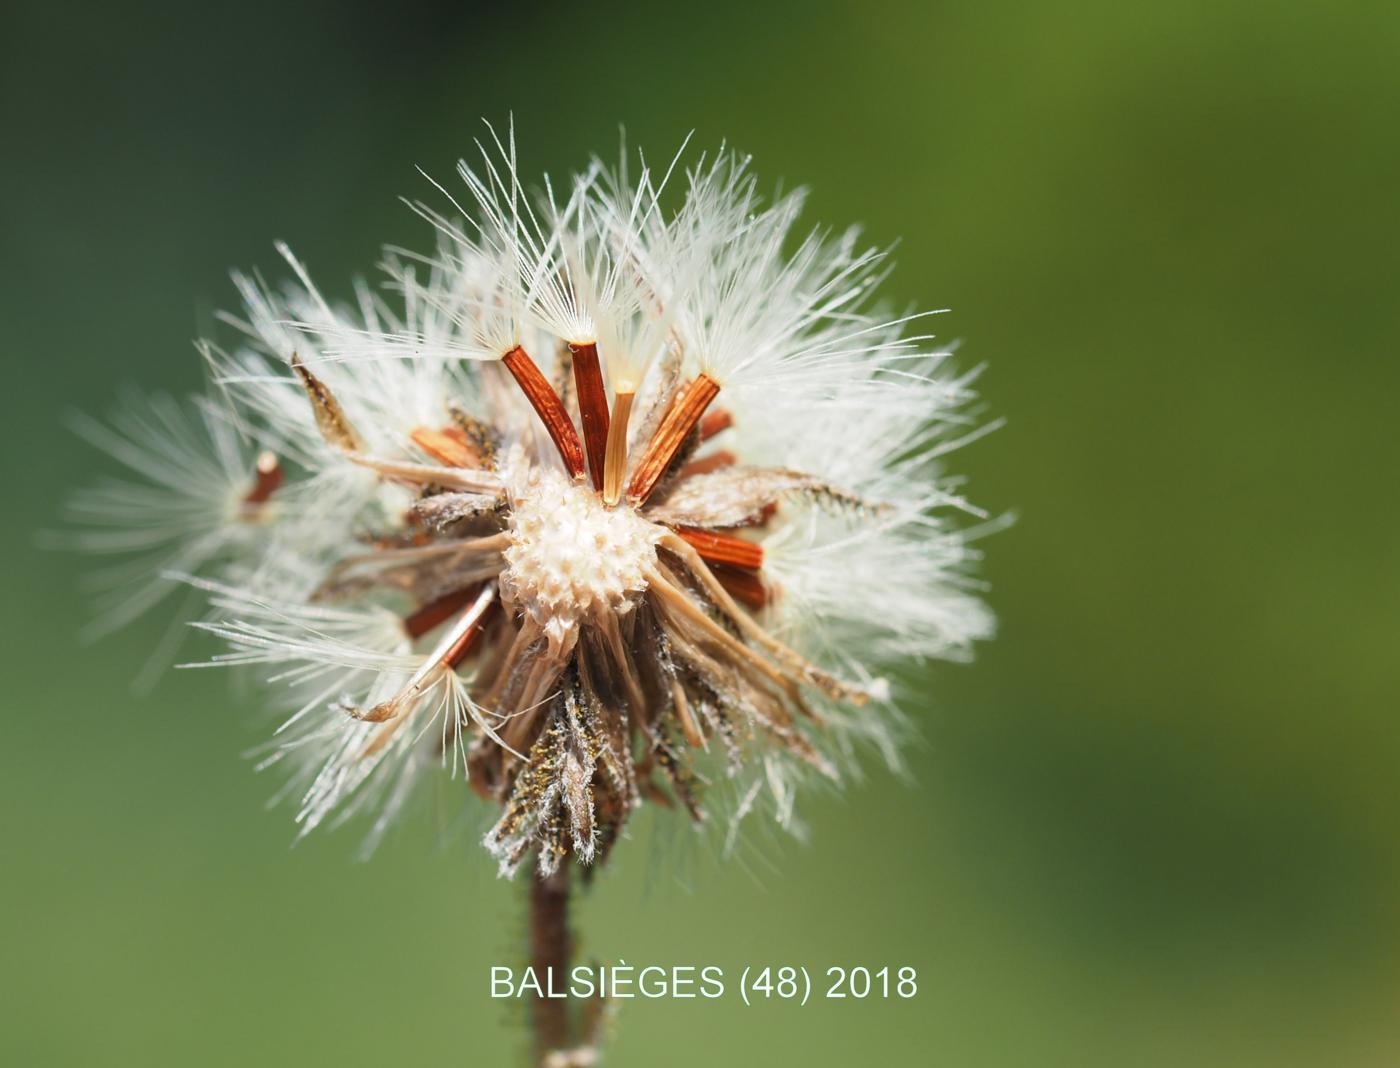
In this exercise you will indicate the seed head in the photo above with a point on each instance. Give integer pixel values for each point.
(601, 504)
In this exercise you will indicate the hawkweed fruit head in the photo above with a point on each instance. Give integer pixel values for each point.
(624, 493)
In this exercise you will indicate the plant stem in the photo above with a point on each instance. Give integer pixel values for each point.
(551, 949)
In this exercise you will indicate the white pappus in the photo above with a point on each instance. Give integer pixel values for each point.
(623, 491)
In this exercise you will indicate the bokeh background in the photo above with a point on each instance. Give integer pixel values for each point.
(1154, 824)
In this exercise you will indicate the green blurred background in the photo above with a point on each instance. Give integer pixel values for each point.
(1154, 824)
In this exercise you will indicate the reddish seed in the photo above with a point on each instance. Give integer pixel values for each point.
(714, 422)
(705, 464)
(548, 407)
(723, 548)
(686, 408)
(268, 476)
